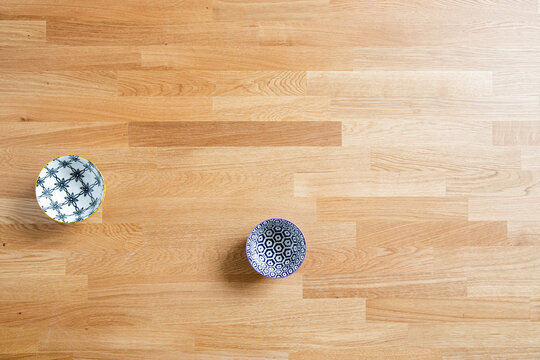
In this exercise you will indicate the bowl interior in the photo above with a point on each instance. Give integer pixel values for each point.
(69, 189)
(276, 248)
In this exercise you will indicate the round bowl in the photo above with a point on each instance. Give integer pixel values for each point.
(69, 189)
(276, 248)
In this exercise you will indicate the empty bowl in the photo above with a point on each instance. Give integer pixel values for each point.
(276, 248)
(69, 189)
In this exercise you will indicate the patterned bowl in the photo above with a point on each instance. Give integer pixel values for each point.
(276, 248)
(69, 189)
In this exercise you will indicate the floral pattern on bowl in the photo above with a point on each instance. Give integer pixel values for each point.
(70, 189)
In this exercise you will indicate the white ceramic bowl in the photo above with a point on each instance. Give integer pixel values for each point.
(70, 189)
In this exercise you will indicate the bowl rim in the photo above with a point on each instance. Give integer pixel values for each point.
(102, 197)
(305, 252)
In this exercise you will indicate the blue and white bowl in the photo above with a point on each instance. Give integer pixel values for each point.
(70, 189)
(276, 248)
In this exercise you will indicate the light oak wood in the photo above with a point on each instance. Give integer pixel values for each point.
(402, 137)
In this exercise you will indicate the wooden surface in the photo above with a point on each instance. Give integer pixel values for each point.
(401, 136)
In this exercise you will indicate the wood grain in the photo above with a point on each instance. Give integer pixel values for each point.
(246, 57)
(457, 335)
(391, 208)
(399, 83)
(516, 133)
(47, 57)
(505, 208)
(64, 134)
(270, 108)
(524, 233)
(21, 32)
(402, 137)
(210, 83)
(235, 134)
(129, 10)
(106, 109)
(486, 108)
(428, 133)
(384, 285)
(368, 184)
(447, 310)
(431, 233)
(369, 353)
(43, 288)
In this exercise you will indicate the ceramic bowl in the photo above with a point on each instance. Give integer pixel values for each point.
(69, 189)
(276, 248)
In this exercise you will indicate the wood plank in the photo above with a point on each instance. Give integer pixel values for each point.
(530, 158)
(368, 184)
(43, 313)
(495, 183)
(323, 261)
(64, 134)
(49, 57)
(399, 83)
(106, 10)
(82, 32)
(368, 353)
(451, 32)
(487, 108)
(270, 108)
(416, 133)
(522, 262)
(384, 285)
(431, 233)
(246, 58)
(58, 237)
(535, 309)
(236, 354)
(15, 340)
(236, 10)
(211, 83)
(504, 208)
(479, 353)
(497, 287)
(188, 210)
(66, 83)
(288, 159)
(461, 55)
(21, 32)
(524, 233)
(123, 186)
(284, 313)
(167, 289)
(447, 310)
(508, 133)
(106, 109)
(330, 235)
(392, 208)
(43, 288)
(504, 334)
(234, 133)
(217, 263)
(20, 262)
(447, 159)
(516, 82)
(283, 338)
(113, 338)
(26, 211)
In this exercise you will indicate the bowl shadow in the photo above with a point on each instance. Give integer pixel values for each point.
(236, 269)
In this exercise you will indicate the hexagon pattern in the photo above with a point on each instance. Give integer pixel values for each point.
(276, 248)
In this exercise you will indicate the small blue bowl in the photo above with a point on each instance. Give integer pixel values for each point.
(276, 248)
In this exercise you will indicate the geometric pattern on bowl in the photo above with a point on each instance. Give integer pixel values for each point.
(69, 189)
(276, 248)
